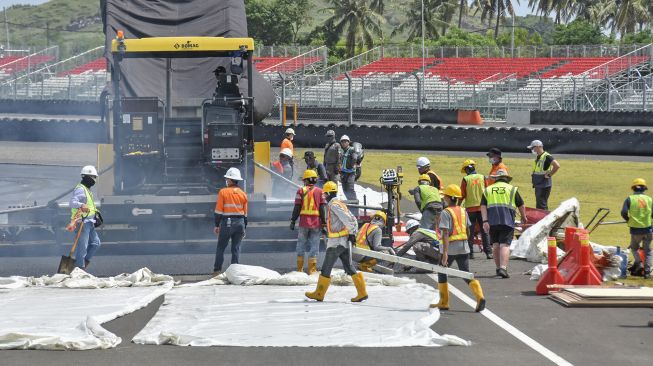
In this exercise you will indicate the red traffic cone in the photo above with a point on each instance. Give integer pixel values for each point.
(551, 276)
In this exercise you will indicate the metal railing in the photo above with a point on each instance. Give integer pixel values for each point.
(54, 80)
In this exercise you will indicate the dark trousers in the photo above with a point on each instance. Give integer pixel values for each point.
(462, 260)
(348, 180)
(230, 229)
(474, 218)
(542, 197)
(332, 254)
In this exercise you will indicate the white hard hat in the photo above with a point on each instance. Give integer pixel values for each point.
(233, 174)
(411, 224)
(422, 162)
(286, 152)
(290, 131)
(89, 170)
(535, 143)
(345, 138)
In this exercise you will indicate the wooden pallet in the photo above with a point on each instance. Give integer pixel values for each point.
(605, 297)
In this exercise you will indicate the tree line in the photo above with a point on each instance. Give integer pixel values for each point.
(351, 26)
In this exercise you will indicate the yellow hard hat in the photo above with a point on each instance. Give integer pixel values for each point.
(639, 182)
(467, 163)
(425, 177)
(309, 173)
(453, 190)
(330, 187)
(382, 215)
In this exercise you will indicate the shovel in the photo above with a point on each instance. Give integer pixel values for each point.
(67, 263)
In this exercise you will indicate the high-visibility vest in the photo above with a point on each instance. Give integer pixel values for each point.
(639, 213)
(459, 218)
(538, 165)
(432, 174)
(287, 144)
(474, 186)
(278, 166)
(232, 201)
(430, 233)
(309, 207)
(363, 233)
(90, 204)
(331, 233)
(428, 194)
(501, 203)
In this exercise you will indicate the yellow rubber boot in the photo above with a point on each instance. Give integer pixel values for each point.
(444, 297)
(359, 282)
(478, 293)
(312, 265)
(367, 266)
(321, 289)
(300, 263)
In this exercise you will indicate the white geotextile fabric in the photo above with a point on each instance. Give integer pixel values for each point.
(211, 314)
(365, 195)
(63, 312)
(532, 244)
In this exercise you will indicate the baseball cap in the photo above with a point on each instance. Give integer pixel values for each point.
(535, 143)
(494, 151)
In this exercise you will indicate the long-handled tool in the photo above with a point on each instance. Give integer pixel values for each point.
(67, 263)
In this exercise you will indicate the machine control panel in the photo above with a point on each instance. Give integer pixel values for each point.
(225, 154)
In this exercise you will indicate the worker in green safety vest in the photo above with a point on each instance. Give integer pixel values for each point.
(428, 201)
(424, 242)
(638, 213)
(471, 188)
(544, 167)
(498, 207)
(83, 209)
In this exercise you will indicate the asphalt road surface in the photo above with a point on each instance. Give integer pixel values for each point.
(577, 336)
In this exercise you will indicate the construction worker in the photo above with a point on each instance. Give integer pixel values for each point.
(427, 198)
(544, 167)
(230, 219)
(284, 167)
(454, 226)
(332, 156)
(317, 167)
(82, 207)
(424, 167)
(286, 143)
(425, 243)
(310, 208)
(496, 161)
(637, 212)
(341, 232)
(369, 237)
(472, 187)
(498, 208)
(348, 170)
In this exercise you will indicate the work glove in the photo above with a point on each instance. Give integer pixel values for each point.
(292, 224)
(352, 239)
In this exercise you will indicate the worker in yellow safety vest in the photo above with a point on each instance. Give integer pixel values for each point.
(310, 208)
(454, 228)
(84, 211)
(498, 207)
(544, 167)
(428, 200)
(424, 167)
(369, 238)
(472, 187)
(637, 211)
(341, 234)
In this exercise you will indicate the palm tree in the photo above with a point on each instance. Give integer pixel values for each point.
(495, 8)
(462, 9)
(630, 13)
(358, 20)
(437, 18)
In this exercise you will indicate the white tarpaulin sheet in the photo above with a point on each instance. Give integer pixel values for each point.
(64, 312)
(532, 244)
(210, 314)
(366, 196)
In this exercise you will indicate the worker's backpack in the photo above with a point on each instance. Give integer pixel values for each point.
(359, 153)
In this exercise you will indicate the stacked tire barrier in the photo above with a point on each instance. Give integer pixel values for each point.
(596, 141)
(589, 140)
(616, 118)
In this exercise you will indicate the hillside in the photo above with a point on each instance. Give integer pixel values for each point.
(75, 25)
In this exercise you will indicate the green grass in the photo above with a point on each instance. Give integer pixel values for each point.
(595, 183)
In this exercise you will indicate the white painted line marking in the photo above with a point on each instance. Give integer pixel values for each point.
(507, 327)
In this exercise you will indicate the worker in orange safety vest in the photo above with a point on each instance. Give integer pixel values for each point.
(230, 219)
